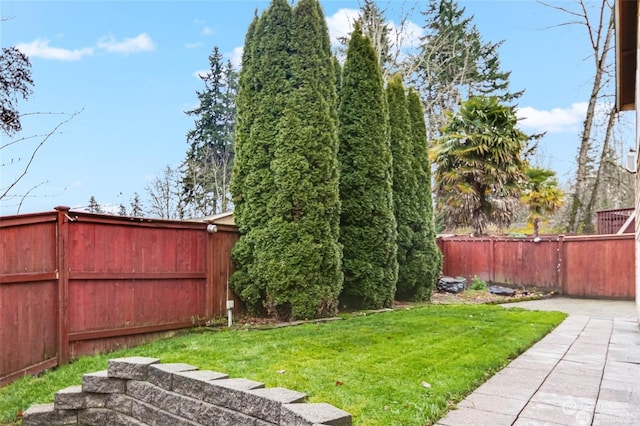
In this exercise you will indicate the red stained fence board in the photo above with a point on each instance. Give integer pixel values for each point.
(74, 283)
(599, 266)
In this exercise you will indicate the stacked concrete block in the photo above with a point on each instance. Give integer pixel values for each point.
(141, 391)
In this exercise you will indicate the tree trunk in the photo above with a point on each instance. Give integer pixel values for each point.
(587, 220)
(577, 212)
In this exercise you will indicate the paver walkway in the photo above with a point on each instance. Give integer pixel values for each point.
(585, 372)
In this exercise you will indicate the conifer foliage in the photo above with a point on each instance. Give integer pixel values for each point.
(206, 169)
(425, 260)
(285, 180)
(418, 257)
(367, 223)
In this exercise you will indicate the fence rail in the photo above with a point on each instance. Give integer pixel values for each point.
(75, 283)
(599, 266)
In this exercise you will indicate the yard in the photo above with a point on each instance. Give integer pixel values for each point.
(406, 367)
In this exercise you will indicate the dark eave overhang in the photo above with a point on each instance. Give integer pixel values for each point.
(626, 53)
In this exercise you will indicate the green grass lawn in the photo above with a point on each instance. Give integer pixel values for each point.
(376, 367)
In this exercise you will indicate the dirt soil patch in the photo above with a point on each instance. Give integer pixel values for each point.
(483, 296)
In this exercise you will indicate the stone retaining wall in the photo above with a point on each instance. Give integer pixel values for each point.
(142, 391)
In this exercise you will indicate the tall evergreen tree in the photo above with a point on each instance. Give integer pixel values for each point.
(206, 171)
(264, 87)
(405, 183)
(303, 260)
(424, 260)
(367, 222)
(289, 257)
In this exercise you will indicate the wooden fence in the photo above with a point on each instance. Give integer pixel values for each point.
(599, 266)
(617, 221)
(75, 283)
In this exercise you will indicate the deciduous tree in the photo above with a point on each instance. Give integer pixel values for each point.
(164, 195)
(15, 84)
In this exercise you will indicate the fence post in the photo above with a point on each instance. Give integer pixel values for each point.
(209, 293)
(492, 265)
(560, 275)
(62, 269)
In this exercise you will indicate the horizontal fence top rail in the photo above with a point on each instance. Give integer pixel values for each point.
(506, 238)
(27, 219)
(542, 238)
(106, 219)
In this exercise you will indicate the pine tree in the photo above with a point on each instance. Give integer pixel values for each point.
(206, 171)
(137, 209)
(424, 261)
(454, 64)
(367, 222)
(405, 183)
(94, 207)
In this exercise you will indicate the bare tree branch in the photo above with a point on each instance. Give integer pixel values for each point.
(35, 151)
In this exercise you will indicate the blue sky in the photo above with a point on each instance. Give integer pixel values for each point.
(131, 68)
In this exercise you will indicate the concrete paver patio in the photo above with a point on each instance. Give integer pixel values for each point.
(585, 372)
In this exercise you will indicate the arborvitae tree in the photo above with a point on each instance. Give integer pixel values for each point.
(405, 183)
(302, 263)
(367, 222)
(288, 255)
(262, 93)
(424, 259)
(206, 171)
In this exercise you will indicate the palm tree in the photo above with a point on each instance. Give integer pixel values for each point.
(541, 195)
(479, 165)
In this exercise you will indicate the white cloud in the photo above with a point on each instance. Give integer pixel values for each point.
(236, 57)
(556, 120)
(200, 73)
(408, 34)
(40, 48)
(140, 43)
(340, 24)
(207, 31)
